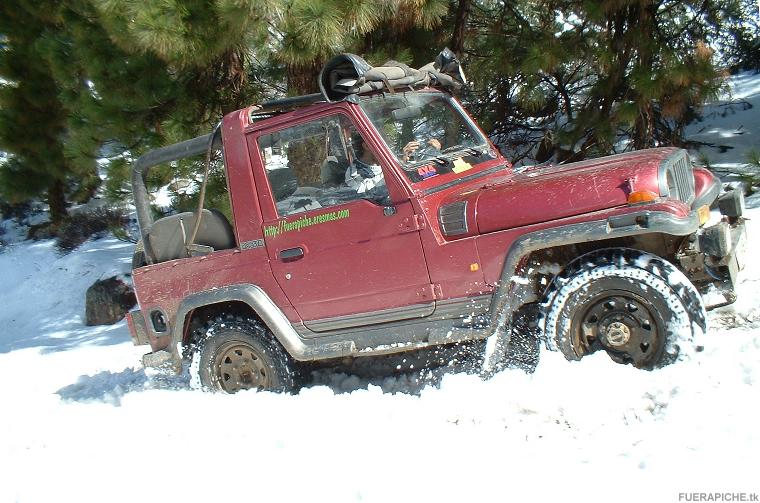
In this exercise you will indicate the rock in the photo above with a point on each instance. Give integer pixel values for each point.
(107, 301)
(38, 232)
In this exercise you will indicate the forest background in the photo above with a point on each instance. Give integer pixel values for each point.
(86, 86)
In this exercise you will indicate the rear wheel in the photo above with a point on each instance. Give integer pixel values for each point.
(233, 354)
(636, 307)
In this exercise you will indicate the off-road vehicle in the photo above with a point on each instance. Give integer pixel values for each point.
(375, 217)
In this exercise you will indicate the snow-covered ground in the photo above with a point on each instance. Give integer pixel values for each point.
(81, 420)
(730, 128)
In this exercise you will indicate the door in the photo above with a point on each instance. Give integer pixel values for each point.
(344, 254)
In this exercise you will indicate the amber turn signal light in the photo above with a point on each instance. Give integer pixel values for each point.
(641, 196)
(703, 212)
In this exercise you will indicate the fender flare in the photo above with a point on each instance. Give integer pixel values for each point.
(258, 301)
(510, 291)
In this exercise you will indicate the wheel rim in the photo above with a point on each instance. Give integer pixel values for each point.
(625, 325)
(239, 366)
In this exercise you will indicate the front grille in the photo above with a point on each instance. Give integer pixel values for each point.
(684, 178)
(678, 167)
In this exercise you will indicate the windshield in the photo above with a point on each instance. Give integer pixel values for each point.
(420, 127)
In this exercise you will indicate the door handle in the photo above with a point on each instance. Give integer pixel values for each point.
(291, 254)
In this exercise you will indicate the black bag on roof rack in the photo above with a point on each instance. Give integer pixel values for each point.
(348, 74)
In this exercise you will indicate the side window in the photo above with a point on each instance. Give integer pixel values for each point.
(320, 163)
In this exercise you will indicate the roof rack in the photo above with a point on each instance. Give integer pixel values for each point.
(347, 75)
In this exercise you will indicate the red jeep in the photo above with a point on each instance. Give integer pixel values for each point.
(375, 218)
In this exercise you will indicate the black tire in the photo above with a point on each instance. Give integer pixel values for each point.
(637, 307)
(235, 353)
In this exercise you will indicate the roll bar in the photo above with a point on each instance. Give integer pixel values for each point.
(190, 148)
(182, 150)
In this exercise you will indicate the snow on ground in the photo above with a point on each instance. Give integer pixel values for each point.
(730, 129)
(82, 420)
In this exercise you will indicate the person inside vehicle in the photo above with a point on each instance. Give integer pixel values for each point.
(333, 169)
(412, 149)
(364, 174)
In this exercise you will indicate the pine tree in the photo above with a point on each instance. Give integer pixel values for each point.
(120, 102)
(567, 79)
(138, 76)
(32, 117)
(561, 79)
(311, 31)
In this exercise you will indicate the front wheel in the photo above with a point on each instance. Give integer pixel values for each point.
(635, 306)
(233, 354)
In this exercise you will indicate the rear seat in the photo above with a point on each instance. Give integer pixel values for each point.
(167, 238)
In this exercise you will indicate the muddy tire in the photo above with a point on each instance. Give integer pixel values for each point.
(235, 353)
(638, 308)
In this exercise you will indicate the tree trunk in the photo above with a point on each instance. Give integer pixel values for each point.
(57, 202)
(460, 22)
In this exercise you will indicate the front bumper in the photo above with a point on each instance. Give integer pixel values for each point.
(713, 257)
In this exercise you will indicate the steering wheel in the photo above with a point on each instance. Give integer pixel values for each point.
(425, 150)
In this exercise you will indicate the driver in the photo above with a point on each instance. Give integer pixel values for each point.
(413, 147)
(364, 174)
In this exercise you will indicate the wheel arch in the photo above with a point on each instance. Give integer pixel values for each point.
(246, 299)
(199, 316)
(513, 291)
(596, 234)
(544, 265)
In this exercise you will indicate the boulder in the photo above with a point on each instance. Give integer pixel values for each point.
(108, 301)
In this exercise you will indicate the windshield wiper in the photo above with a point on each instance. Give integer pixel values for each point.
(415, 164)
(446, 156)
(451, 149)
(470, 150)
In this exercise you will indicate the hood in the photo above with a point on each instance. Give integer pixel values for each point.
(543, 193)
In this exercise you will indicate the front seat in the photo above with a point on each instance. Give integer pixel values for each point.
(333, 172)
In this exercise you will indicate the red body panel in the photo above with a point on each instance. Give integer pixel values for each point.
(362, 263)
(703, 180)
(543, 194)
(557, 192)
(493, 247)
